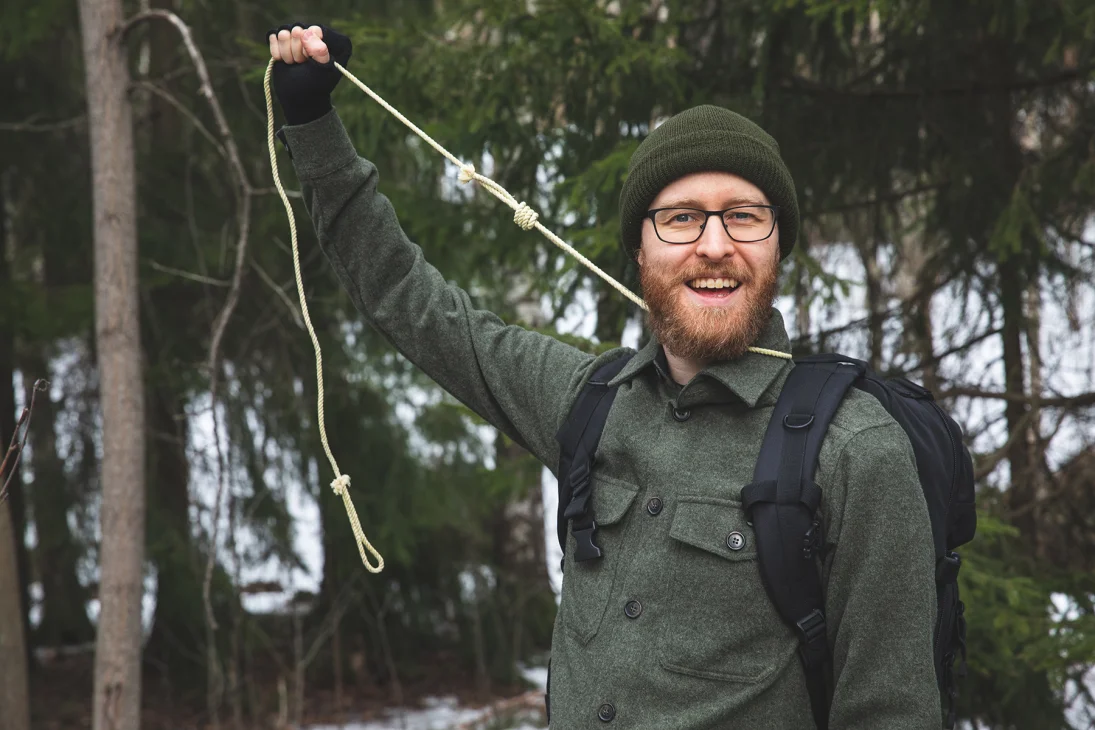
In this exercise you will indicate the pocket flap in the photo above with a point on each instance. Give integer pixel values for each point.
(718, 526)
(611, 498)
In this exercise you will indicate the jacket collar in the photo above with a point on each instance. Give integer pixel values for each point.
(748, 379)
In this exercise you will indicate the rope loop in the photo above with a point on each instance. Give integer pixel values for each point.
(525, 216)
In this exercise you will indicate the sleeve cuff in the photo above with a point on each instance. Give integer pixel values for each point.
(318, 148)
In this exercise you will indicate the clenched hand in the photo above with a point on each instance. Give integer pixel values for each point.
(304, 76)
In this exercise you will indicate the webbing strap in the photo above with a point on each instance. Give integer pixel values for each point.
(782, 503)
(578, 440)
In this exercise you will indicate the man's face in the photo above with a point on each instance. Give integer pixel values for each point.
(690, 318)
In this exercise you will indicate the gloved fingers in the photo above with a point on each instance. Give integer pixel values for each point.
(296, 45)
(315, 48)
(280, 40)
(339, 45)
(285, 43)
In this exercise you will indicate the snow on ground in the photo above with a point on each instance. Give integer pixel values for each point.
(440, 713)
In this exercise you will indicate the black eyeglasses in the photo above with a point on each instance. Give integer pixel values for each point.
(743, 223)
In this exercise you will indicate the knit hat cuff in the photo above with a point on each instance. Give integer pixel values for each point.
(735, 153)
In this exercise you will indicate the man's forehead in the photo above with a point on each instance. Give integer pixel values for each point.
(709, 190)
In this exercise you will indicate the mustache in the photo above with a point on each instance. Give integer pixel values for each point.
(712, 272)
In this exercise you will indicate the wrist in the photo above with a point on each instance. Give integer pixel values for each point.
(304, 111)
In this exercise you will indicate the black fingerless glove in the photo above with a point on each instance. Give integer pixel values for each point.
(304, 89)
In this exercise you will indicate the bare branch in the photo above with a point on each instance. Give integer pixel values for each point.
(893, 197)
(15, 448)
(206, 88)
(188, 275)
(1081, 400)
(808, 86)
(30, 126)
(988, 462)
(280, 292)
(181, 108)
(273, 191)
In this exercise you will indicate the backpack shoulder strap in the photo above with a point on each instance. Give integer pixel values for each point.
(782, 504)
(578, 439)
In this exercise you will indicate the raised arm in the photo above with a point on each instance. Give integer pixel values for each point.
(519, 381)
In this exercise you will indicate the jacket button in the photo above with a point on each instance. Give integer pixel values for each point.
(632, 609)
(735, 541)
(606, 713)
(681, 414)
(654, 506)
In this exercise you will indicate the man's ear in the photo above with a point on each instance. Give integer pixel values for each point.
(639, 256)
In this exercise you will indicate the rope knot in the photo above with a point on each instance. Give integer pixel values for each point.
(341, 484)
(467, 173)
(525, 216)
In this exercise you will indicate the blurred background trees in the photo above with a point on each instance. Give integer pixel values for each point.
(945, 159)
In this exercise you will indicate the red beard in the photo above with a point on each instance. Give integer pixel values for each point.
(708, 333)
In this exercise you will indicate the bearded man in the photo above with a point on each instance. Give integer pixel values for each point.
(672, 627)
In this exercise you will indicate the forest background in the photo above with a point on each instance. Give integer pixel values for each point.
(944, 154)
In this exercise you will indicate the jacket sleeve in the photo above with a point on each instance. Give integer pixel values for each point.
(517, 380)
(880, 602)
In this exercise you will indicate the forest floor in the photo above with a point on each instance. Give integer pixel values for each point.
(444, 697)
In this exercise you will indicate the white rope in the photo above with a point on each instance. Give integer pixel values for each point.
(341, 483)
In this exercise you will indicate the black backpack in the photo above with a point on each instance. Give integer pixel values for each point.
(783, 500)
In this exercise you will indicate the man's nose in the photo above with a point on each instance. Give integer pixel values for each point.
(715, 244)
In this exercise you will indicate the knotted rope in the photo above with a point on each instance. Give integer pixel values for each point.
(523, 215)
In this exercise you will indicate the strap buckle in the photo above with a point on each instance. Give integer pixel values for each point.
(946, 569)
(811, 634)
(811, 628)
(585, 548)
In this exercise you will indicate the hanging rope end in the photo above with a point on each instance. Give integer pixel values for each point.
(379, 567)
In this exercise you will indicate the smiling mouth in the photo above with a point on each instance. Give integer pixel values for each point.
(717, 288)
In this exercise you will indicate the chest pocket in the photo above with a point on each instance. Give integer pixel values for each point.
(720, 623)
(587, 586)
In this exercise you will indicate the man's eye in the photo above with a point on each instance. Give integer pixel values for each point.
(684, 218)
(742, 217)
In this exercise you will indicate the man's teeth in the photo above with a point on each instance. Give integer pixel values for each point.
(714, 284)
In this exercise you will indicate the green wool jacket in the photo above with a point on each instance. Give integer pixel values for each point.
(672, 628)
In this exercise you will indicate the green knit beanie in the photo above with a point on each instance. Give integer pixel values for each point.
(703, 139)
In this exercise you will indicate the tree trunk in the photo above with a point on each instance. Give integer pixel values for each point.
(1038, 484)
(14, 699)
(117, 698)
(914, 286)
(1011, 299)
(14, 659)
(868, 253)
(16, 499)
(802, 294)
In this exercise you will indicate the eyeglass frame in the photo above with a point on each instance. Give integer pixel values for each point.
(708, 213)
